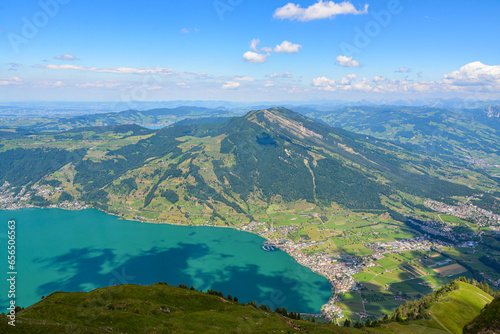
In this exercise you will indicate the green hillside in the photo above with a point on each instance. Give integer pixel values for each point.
(459, 307)
(488, 321)
(161, 308)
(447, 310)
(153, 309)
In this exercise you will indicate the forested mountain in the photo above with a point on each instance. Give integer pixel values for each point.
(267, 156)
(455, 132)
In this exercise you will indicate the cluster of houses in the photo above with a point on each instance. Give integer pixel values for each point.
(11, 201)
(415, 243)
(465, 210)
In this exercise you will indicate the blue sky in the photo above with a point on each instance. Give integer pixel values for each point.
(202, 50)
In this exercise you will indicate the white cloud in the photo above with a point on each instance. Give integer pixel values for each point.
(318, 11)
(231, 85)
(287, 47)
(324, 83)
(474, 74)
(10, 81)
(348, 79)
(101, 84)
(118, 70)
(248, 79)
(347, 83)
(49, 84)
(65, 57)
(183, 85)
(269, 84)
(254, 43)
(403, 70)
(286, 75)
(254, 57)
(378, 85)
(347, 61)
(284, 47)
(364, 86)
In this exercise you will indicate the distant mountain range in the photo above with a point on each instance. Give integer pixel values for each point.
(156, 118)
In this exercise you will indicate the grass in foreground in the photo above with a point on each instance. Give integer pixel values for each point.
(153, 309)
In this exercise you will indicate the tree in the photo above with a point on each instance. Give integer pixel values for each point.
(347, 323)
(358, 324)
(65, 197)
(236, 299)
(229, 297)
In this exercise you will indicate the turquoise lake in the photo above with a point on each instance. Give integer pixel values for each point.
(60, 250)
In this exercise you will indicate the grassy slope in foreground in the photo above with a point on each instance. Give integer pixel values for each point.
(488, 320)
(166, 309)
(449, 315)
(143, 309)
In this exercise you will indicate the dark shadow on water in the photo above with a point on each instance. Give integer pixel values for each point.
(150, 267)
(169, 265)
(274, 291)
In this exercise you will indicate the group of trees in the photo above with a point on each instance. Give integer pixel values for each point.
(126, 186)
(263, 307)
(490, 262)
(21, 167)
(65, 197)
(283, 311)
(202, 191)
(418, 309)
(171, 172)
(359, 324)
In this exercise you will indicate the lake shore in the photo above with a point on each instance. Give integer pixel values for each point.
(28, 211)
